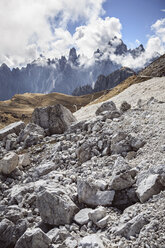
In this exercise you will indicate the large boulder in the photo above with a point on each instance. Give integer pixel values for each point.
(8, 163)
(33, 238)
(15, 127)
(91, 195)
(55, 207)
(55, 119)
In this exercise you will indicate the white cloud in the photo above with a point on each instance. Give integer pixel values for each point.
(26, 24)
(163, 10)
(96, 34)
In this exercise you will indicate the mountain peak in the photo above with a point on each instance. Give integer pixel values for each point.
(73, 55)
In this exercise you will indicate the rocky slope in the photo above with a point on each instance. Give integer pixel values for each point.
(99, 184)
(62, 75)
(105, 83)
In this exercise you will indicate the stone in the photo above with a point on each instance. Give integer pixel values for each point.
(8, 163)
(89, 194)
(82, 217)
(107, 106)
(60, 209)
(70, 242)
(91, 241)
(103, 222)
(123, 175)
(6, 233)
(125, 106)
(97, 214)
(24, 160)
(15, 127)
(122, 143)
(31, 135)
(33, 238)
(10, 141)
(132, 227)
(56, 119)
(148, 187)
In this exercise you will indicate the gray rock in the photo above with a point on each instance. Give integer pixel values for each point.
(125, 106)
(33, 238)
(132, 227)
(6, 233)
(8, 163)
(56, 119)
(15, 127)
(91, 241)
(97, 214)
(10, 141)
(123, 175)
(60, 209)
(89, 194)
(82, 217)
(148, 187)
(24, 160)
(31, 135)
(107, 106)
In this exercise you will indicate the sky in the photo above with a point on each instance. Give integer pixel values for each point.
(29, 28)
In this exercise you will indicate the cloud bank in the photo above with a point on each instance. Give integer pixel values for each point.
(29, 28)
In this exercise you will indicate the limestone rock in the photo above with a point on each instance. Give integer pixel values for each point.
(89, 194)
(91, 241)
(55, 207)
(24, 160)
(82, 217)
(107, 106)
(125, 106)
(148, 187)
(56, 119)
(6, 233)
(132, 227)
(8, 163)
(15, 127)
(31, 135)
(33, 238)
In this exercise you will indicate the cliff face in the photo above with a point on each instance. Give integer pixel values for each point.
(104, 83)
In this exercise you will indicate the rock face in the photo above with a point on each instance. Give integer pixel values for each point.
(8, 163)
(89, 194)
(56, 119)
(33, 239)
(60, 209)
(12, 128)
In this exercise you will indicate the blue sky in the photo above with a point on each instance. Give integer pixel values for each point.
(136, 17)
(52, 27)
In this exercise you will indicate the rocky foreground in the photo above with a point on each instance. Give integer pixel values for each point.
(95, 183)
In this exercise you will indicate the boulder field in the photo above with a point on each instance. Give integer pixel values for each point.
(98, 182)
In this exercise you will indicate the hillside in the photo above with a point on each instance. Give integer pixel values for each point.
(20, 107)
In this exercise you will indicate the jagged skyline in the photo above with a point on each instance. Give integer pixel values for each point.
(29, 28)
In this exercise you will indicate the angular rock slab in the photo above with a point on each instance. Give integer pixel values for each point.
(56, 119)
(15, 127)
(8, 163)
(55, 207)
(33, 238)
(82, 217)
(132, 227)
(89, 194)
(148, 187)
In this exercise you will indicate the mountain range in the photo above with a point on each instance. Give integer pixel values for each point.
(65, 74)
